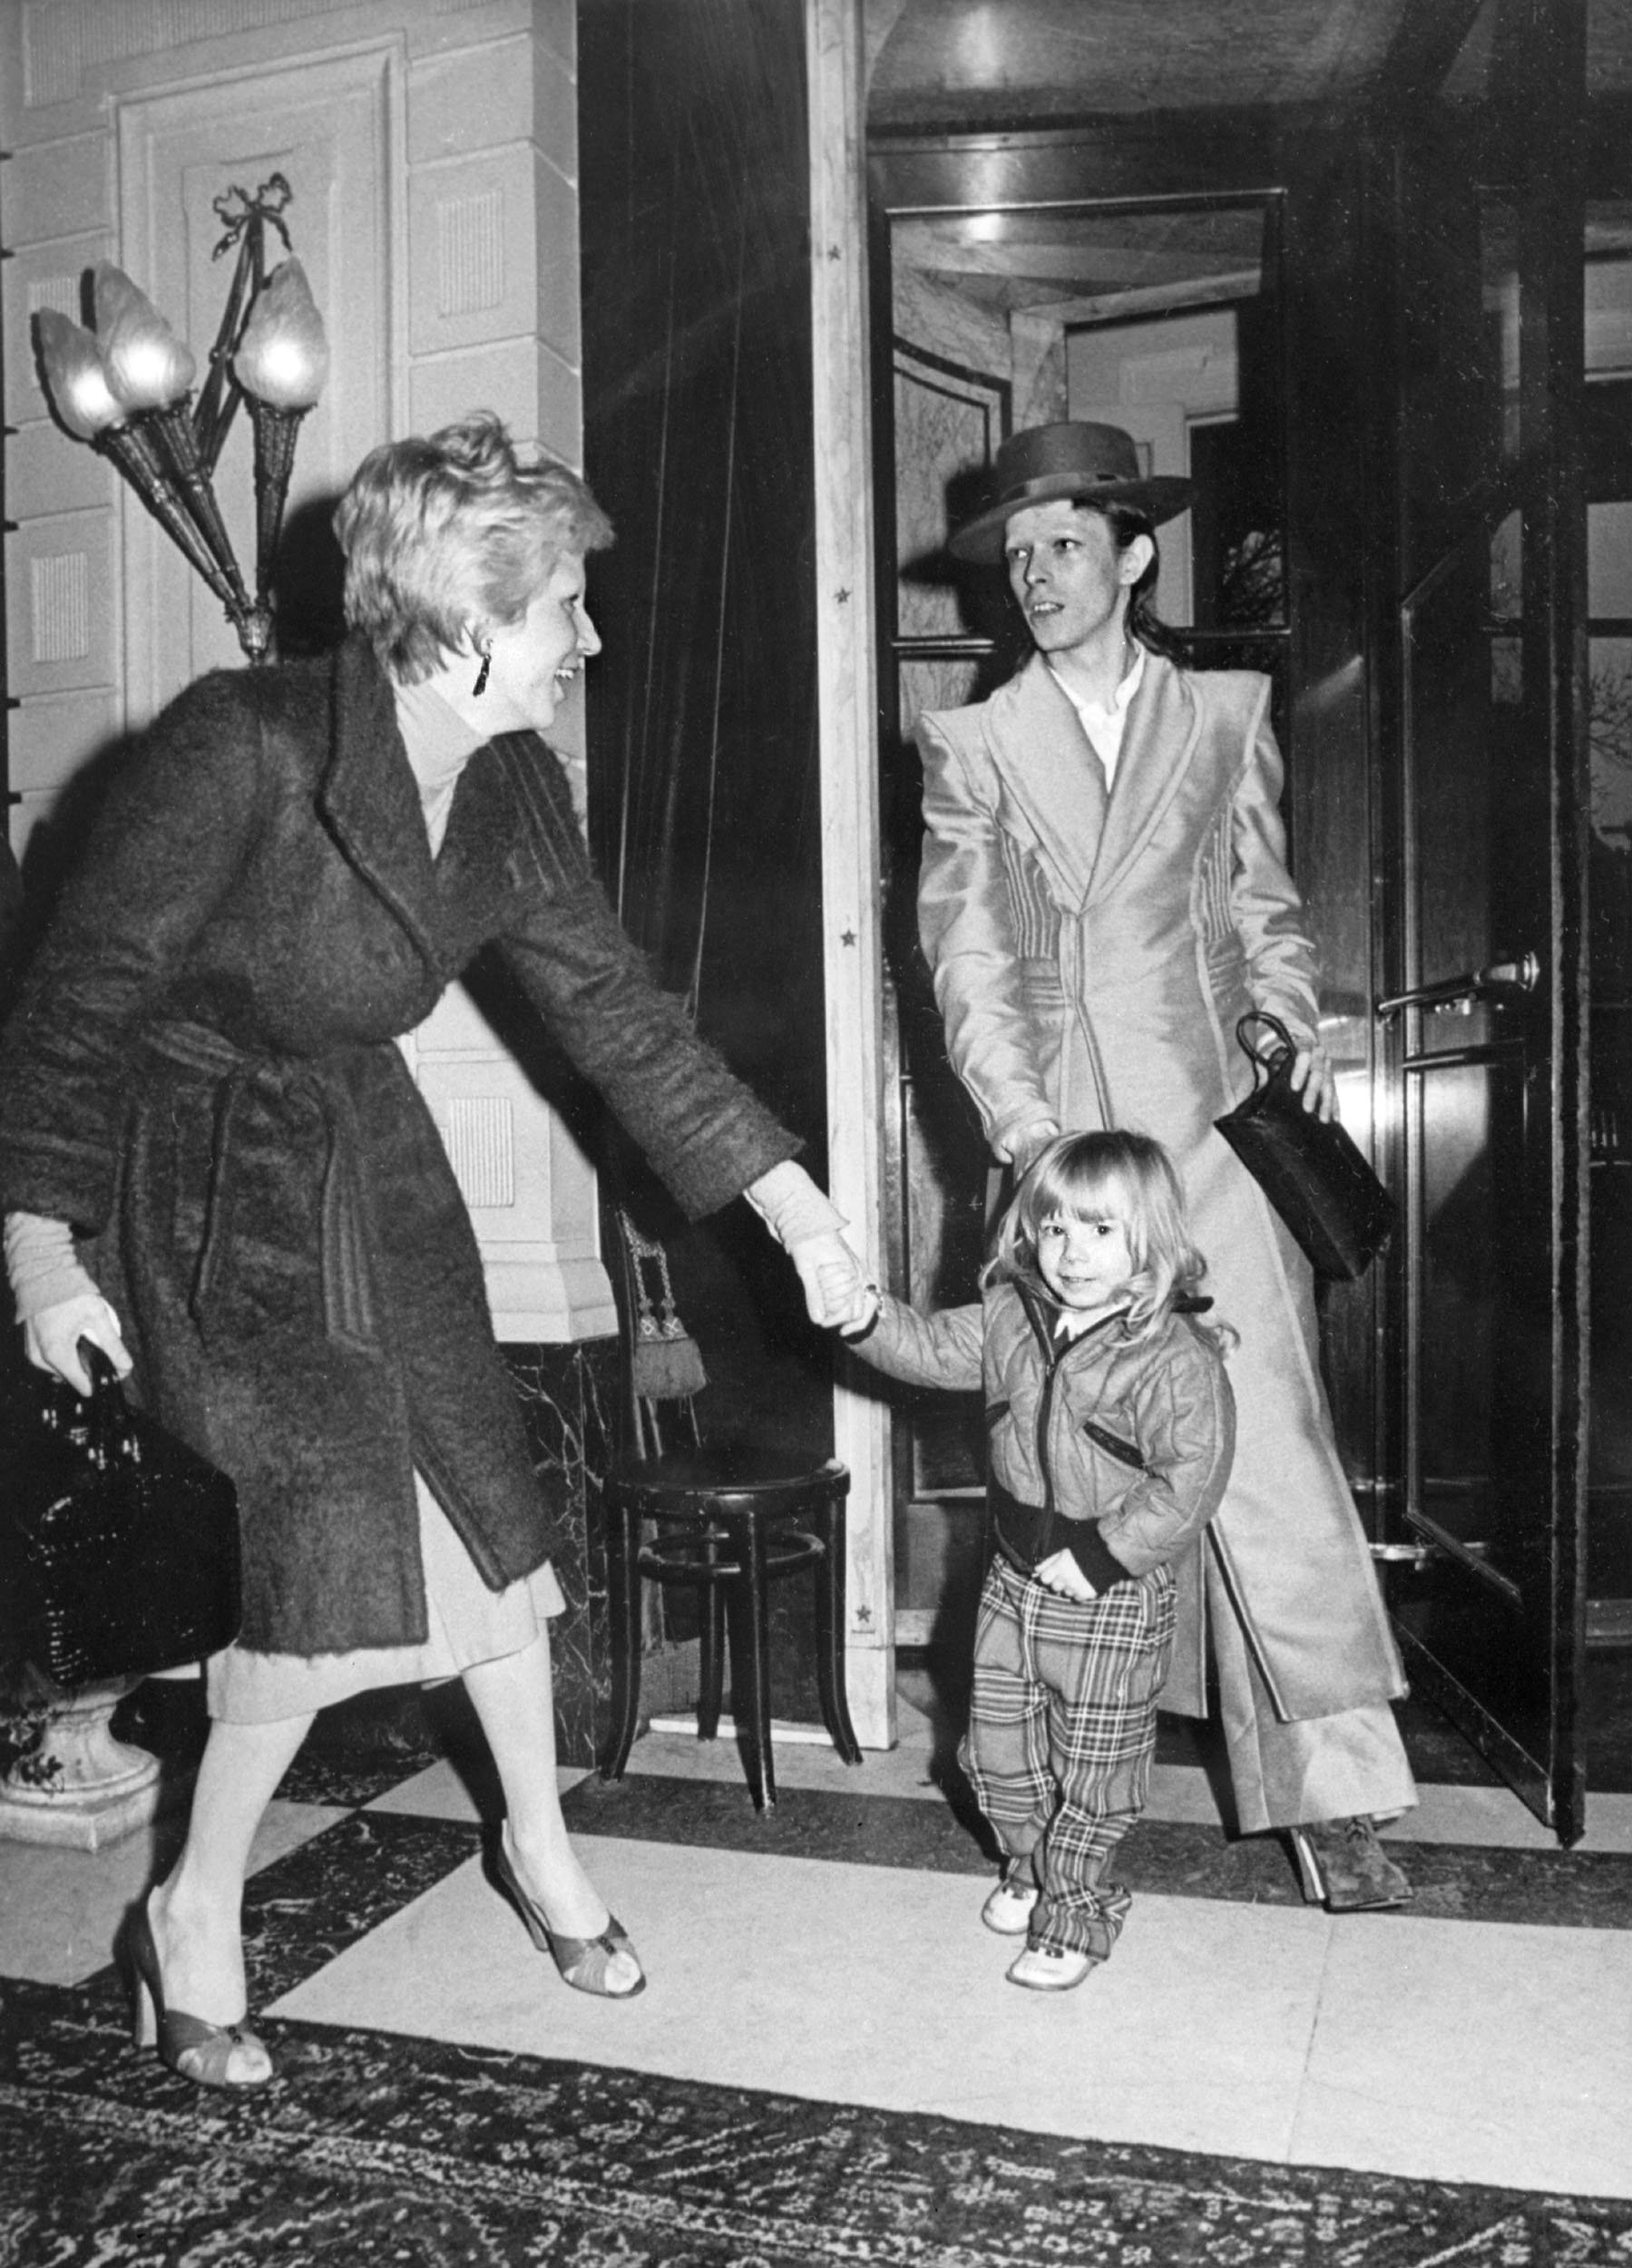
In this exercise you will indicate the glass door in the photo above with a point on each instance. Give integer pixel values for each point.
(1484, 1017)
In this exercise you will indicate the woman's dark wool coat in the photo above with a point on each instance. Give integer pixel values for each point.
(202, 1078)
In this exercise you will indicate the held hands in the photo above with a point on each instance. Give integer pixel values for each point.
(51, 1339)
(1060, 1573)
(810, 1230)
(836, 1291)
(1312, 1078)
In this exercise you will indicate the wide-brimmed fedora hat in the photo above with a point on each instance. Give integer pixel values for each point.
(1098, 464)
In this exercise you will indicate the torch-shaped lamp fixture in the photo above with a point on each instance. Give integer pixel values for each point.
(126, 387)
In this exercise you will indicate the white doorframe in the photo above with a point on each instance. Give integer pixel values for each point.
(847, 727)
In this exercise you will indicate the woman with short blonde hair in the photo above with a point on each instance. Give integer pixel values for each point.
(439, 532)
(203, 1085)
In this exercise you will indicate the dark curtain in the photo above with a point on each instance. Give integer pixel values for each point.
(703, 766)
(697, 408)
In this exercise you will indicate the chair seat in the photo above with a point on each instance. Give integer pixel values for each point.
(738, 1476)
(730, 1519)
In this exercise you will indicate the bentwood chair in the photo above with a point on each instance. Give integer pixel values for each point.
(726, 1522)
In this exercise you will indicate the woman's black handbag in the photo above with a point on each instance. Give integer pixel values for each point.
(123, 1546)
(1306, 1166)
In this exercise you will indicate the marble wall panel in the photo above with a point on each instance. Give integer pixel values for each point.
(569, 1397)
(948, 425)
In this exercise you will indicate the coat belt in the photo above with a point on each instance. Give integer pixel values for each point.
(350, 1309)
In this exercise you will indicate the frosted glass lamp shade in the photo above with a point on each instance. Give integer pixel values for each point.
(283, 357)
(148, 365)
(75, 377)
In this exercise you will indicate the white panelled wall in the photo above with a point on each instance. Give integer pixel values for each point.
(432, 149)
(431, 146)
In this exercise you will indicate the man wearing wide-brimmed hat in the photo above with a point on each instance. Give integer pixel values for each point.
(1104, 893)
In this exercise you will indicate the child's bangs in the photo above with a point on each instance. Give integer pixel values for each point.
(1104, 1191)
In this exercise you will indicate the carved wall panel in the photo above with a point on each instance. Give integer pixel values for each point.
(326, 127)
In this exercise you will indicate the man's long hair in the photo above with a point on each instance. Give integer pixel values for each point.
(1143, 622)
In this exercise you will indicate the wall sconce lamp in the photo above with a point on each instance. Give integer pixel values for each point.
(126, 387)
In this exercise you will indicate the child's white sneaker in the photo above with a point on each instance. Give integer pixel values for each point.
(1008, 1909)
(1051, 1967)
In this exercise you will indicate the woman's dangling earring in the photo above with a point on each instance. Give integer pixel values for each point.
(485, 651)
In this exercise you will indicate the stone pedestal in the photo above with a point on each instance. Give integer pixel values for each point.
(568, 1394)
(79, 1786)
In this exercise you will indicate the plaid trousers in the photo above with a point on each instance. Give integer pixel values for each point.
(1061, 1734)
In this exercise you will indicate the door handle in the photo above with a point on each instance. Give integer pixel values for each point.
(1502, 983)
(1415, 1555)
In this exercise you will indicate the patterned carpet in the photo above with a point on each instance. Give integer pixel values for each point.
(377, 2150)
(374, 2150)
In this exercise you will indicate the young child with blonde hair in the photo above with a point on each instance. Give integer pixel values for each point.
(1110, 1427)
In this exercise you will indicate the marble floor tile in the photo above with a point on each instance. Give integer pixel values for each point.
(1182, 1792)
(844, 1983)
(1496, 1817)
(441, 1791)
(1162, 1857)
(1491, 1816)
(1474, 2053)
(60, 1910)
(903, 1770)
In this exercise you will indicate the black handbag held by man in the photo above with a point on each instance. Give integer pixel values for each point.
(1306, 1166)
(122, 1543)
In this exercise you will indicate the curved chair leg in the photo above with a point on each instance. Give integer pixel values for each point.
(829, 1573)
(711, 1652)
(623, 1603)
(746, 1608)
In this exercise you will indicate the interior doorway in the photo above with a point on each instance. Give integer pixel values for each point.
(1280, 315)
(1162, 317)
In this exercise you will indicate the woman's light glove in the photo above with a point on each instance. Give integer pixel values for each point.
(848, 1295)
(51, 1340)
(1060, 1572)
(57, 1302)
(810, 1229)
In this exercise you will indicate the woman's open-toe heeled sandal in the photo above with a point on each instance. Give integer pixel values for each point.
(584, 1962)
(209, 2055)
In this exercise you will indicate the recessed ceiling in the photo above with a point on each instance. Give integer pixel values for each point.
(972, 62)
(1071, 263)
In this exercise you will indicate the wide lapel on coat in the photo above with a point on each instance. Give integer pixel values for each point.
(1052, 775)
(369, 798)
(1164, 724)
